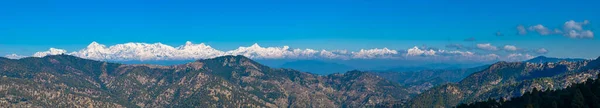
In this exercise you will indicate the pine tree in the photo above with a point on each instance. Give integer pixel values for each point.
(554, 104)
(578, 100)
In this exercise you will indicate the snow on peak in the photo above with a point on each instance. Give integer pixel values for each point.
(255, 45)
(14, 56)
(374, 53)
(191, 51)
(51, 51)
(188, 51)
(190, 46)
(95, 44)
(145, 51)
(255, 51)
(415, 51)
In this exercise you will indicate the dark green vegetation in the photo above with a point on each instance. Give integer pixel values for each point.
(583, 95)
(506, 80)
(228, 81)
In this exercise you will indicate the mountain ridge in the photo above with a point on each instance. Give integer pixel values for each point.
(544, 59)
(228, 81)
(505, 80)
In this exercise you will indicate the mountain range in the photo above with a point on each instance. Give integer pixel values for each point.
(237, 81)
(227, 81)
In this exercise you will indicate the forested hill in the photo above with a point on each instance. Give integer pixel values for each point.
(507, 80)
(59, 81)
(583, 95)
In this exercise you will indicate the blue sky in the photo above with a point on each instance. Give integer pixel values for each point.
(28, 26)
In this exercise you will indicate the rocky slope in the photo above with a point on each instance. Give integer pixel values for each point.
(505, 80)
(228, 81)
(582, 95)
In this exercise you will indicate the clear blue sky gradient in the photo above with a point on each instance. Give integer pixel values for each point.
(27, 26)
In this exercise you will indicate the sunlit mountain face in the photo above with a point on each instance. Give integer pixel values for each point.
(306, 54)
(189, 51)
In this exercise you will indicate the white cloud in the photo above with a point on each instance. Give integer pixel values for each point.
(14, 56)
(571, 29)
(487, 46)
(575, 29)
(510, 48)
(541, 51)
(580, 34)
(558, 31)
(492, 56)
(522, 30)
(587, 34)
(572, 25)
(340, 51)
(540, 29)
